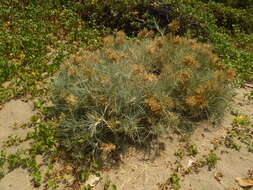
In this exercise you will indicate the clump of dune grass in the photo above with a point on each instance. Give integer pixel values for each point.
(136, 89)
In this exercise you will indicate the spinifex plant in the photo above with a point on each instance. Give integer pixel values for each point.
(132, 90)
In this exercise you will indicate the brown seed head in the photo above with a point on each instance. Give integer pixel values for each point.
(107, 147)
(112, 55)
(149, 77)
(108, 40)
(138, 69)
(174, 26)
(184, 75)
(200, 90)
(190, 61)
(153, 105)
(177, 40)
(120, 37)
(71, 100)
(230, 74)
(88, 72)
(196, 100)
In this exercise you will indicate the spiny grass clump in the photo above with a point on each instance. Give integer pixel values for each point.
(135, 89)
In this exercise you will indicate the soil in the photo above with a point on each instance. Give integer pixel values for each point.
(140, 170)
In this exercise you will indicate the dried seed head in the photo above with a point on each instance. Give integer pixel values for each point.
(219, 75)
(220, 66)
(88, 72)
(102, 100)
(71, 100)
(213, 60)
(211, 85)
(143, 33)
(104, 80)
(207, 47)
(149, 77)
(107, 147)
(206, 52)
(152, 47)
(204, 104)
(138, 69)
(153, 105)
(230, 74)
(177, 40)
(159, 42)
(95, 59)
(191, 101)
(174, 26)
(190, 61)
(146, 33)
(72, 72)
(184, 75)
(197, 100)
(108, 40)
(113, 123)
(192, 42)
(200, 90)
(112, 55)
(196, 47)
(120, 37)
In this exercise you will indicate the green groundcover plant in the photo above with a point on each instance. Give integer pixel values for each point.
(135, 90)
(227, 24)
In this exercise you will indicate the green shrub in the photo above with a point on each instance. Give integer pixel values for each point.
(222, 24)
(128, 15)
(235, 3)
(133, 90)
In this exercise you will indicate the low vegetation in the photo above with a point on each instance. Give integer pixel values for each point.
(136, 90)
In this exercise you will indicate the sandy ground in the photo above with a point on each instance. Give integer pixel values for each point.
(12, 116)
(139, 170)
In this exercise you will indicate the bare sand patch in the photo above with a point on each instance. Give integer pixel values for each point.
(16, 180)
(12, 115)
